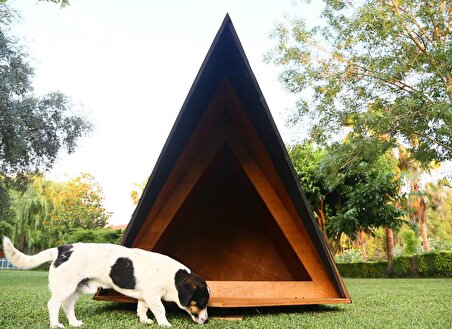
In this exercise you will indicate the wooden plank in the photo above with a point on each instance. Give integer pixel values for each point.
(207, 136)
(250, 139)
(305, 251)
(245, 300)
(269, 289)
(267, 302)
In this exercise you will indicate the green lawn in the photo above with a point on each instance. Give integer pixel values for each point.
(377, 303)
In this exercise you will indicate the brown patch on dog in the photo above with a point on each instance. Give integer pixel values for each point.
(194, 310)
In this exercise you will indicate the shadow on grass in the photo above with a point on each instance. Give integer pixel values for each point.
(172, 309)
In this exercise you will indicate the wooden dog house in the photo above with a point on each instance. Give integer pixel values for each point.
(224, 200)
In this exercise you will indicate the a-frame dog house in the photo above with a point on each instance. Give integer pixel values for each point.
(223, 198)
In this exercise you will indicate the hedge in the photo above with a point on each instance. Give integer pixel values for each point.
(434, 264)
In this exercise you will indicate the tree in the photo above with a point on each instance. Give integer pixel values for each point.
(382, 68)
(48, 212)
(439, 210)
(352, 196)
(33, 130)
(35, 227)
(137, 191)
(82, 206)
(306, 159)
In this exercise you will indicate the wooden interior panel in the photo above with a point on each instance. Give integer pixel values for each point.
(196, 155)
(224, 231)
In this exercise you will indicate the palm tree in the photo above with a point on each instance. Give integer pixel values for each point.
(418, 213)
(135, 194)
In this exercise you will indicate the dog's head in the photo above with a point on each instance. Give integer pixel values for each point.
(193, 295)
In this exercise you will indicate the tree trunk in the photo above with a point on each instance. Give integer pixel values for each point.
(390, 252)
(419, 215)
(423, 223)
(424, 236)
(362, 243)
(321, 219)
(21, 239)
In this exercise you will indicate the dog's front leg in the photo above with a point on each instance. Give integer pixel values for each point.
(142, 309)
(156, 306)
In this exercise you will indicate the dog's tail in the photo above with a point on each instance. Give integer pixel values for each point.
(22, 261)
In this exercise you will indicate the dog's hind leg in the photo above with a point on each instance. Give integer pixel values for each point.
(142, 309)
(54, 305)
(155, 305)
(61, 292)
(69, 309)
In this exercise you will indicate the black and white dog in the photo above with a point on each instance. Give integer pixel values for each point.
(147, 276)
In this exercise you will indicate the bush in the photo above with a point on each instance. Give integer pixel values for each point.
(5, 229)
(101, 235)
(410, 242)
(434, 264)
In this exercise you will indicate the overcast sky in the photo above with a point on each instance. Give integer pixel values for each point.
(131, 64)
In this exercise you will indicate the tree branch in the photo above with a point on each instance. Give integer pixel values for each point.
(436, 67)
(405, 27)
(431, 140)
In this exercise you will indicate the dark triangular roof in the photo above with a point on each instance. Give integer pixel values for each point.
(226, 58)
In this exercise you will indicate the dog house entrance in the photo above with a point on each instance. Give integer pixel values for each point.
(224, 231)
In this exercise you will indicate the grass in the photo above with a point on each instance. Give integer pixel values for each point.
(377, 303)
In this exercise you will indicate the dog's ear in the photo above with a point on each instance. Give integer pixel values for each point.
(185, 287)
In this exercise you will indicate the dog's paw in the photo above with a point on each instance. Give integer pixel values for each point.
(146, 321)
(57, 325)
(165, 324)
(76, 324)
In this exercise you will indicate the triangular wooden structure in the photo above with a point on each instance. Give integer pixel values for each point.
(224, 200)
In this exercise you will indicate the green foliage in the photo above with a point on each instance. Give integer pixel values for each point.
(357, 194)
(82, 204)
(379, 68)
(100, 235)
(5, 229)
(349, 256)
(46, 212)
(410, 242)
(33, 130)
(434, 264)
(34, 225)
(306, 159)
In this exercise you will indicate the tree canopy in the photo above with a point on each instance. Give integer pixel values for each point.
(33, 129)
(361, 197)
(47, 212)
(382, 68)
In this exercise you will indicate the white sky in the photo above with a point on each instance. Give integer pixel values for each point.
(131, 64)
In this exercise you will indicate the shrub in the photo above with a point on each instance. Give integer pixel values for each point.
(102, 235)
(410, 242)
(434, 264)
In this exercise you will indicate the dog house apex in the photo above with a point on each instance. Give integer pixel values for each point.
(224, 200)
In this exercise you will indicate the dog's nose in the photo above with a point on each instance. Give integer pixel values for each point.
(206, 321)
